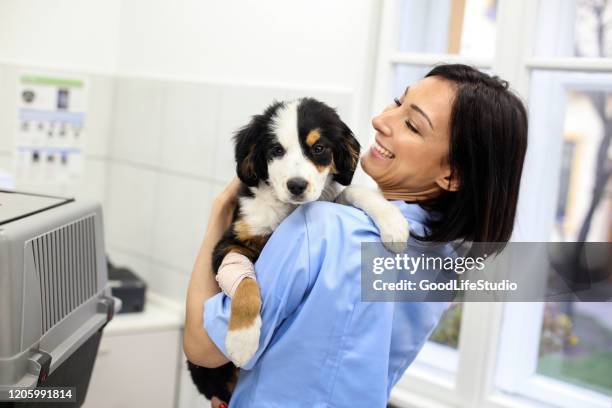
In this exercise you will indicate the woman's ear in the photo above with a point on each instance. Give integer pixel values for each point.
(250, 160)
(346, 156)
(448, 181)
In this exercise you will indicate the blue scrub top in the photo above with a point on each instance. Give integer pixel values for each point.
(320, 345)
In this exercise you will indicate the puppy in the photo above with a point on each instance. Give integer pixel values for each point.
(295, 152)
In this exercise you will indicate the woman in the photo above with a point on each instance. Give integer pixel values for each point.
(450, 154)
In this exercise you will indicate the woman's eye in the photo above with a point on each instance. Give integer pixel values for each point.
(397, 102)
(318, 149)
(411, 127)
(278, 151)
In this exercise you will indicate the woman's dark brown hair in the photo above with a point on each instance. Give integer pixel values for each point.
(488, 142)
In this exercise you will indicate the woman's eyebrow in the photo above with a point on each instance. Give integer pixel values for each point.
(406, 91)
(416, 108)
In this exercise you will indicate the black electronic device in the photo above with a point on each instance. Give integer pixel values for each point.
(128, 287)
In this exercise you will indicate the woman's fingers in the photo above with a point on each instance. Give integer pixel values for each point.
(230, 192)
(217, 403)
(233, 187)
(225, 202)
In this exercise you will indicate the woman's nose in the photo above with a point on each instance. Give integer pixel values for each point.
(380, 125)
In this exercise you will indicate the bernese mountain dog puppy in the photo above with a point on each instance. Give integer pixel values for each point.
(295, 152)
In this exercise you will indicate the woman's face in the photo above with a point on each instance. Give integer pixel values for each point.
(408, 159)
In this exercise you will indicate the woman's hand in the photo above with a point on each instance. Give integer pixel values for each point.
(228, 196)
(222, 211)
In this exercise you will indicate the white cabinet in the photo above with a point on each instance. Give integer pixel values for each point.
(139, 360)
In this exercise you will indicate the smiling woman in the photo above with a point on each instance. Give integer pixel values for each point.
(455, 142)
(451, 151)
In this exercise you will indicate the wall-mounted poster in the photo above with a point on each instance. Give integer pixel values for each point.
(50, 131)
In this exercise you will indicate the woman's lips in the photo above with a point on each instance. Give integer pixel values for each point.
(380, 152)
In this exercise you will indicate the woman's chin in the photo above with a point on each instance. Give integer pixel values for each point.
(373, 167)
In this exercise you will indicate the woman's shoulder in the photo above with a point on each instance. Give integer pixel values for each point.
(311, 233)
(327, 209)
(325, 214)
(329, 216)
(322, 220)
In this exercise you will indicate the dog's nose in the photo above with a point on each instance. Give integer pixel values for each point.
(297, 185)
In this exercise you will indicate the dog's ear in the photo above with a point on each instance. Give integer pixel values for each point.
(346, 156)
(250, 158)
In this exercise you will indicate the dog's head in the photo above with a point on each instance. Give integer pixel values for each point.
(296, 148)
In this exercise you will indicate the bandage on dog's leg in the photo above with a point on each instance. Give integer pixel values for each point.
(244, 327)
(234, 268)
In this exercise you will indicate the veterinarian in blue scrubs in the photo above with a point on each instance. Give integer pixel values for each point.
(449, 153)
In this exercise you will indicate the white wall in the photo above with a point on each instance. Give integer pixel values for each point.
(78, 35)
(169, 83)
(310, 44)
(316, 43)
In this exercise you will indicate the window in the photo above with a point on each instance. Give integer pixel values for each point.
(576, 338)
(465, 27)
(576, 344)
(566, 346)
(556, 55)
(572, 28)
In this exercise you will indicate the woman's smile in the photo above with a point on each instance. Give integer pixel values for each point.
(378, 151)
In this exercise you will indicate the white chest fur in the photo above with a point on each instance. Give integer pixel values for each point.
(263, 212)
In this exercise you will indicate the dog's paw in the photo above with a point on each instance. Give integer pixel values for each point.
(241, 344)
(394, 230)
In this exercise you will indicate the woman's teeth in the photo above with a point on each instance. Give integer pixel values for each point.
(383, 151)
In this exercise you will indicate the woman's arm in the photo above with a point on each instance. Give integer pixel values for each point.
(197, 345)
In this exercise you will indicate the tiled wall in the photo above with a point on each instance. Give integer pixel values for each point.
(156, 153)
(5, 122)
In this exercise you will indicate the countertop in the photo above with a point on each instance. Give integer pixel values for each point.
(159, 314)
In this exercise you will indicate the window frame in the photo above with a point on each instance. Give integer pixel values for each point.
(480, 347)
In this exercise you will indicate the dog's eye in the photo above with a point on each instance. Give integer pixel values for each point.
(318, 149)
(277, 151)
